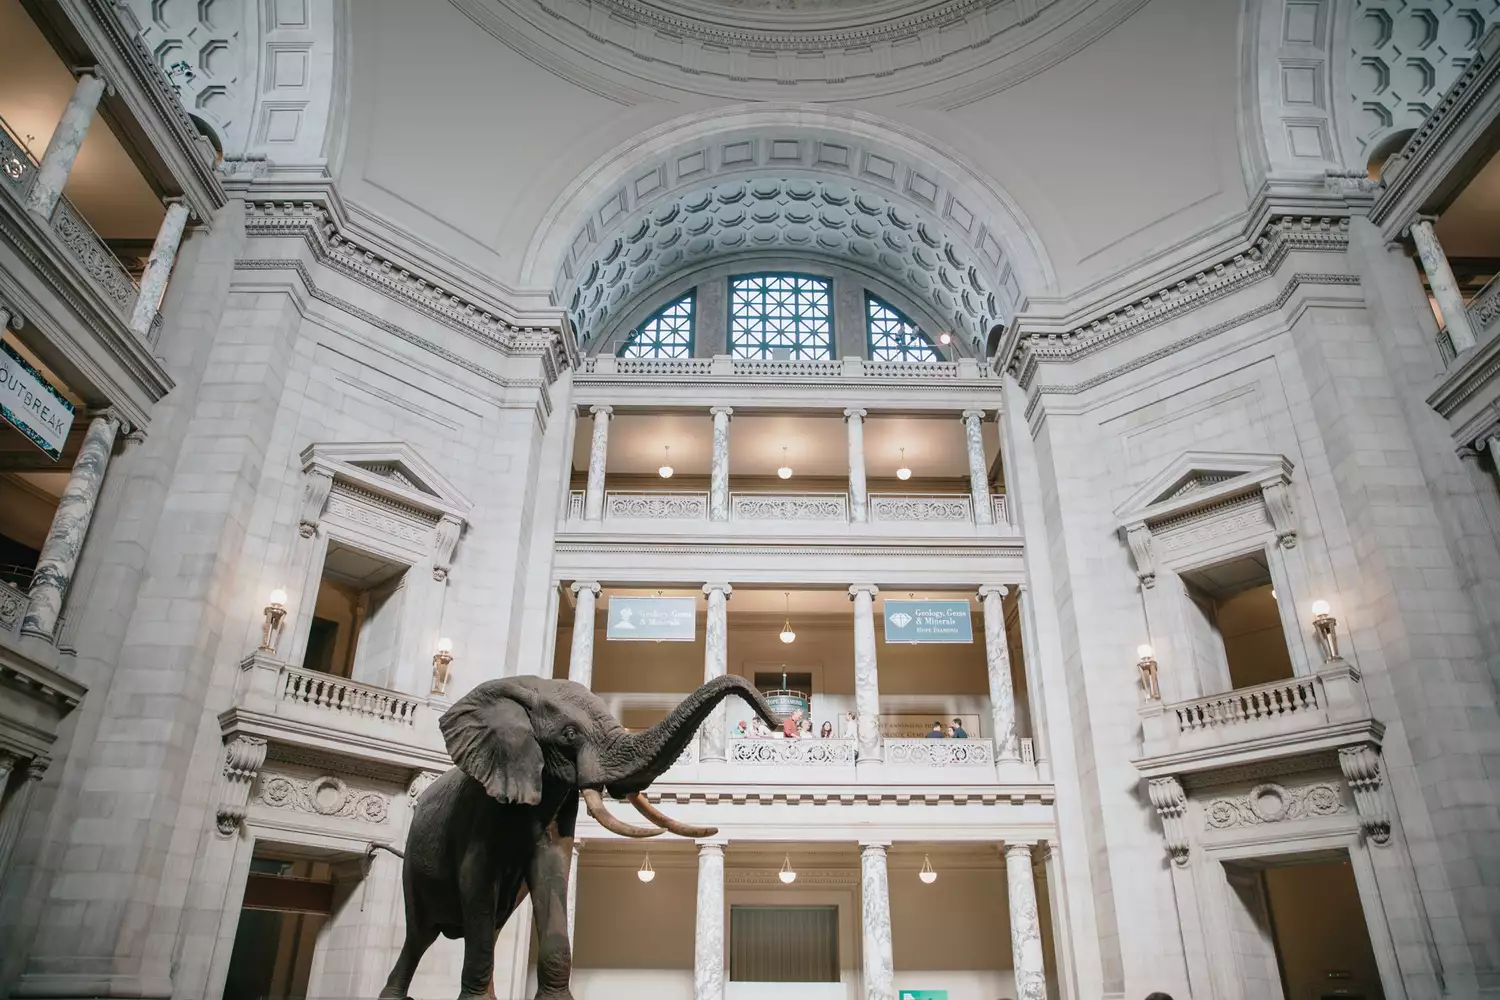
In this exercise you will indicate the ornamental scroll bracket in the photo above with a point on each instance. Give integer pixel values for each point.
(1362, 766)
(1279, 506)
(1170, 800)
(1138, 536)
(314, 497)
(445, 538)
(243, 758)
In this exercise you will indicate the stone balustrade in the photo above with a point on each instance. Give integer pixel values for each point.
(800, 753)
(940, 753)
(954, 507)
(340, 695)
(12, 606)
(820, 369)
(1484, 309)
(789, 507)
(652, 505)
(885, 508)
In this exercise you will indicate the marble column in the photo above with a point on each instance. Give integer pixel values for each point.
(581, 658)
(715, 664)
(859, 501)
(593, 496)
(1444, 285)
(718, 482)
(573, 890)
(866, 678)
(13, 809)
(159, 267)
(1002, 689)
(708, 940)
(875, 923)
(59, 558)
(62, 149)
(979, 473)
(1025, 925)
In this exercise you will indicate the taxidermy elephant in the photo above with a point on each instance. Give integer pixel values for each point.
(500, 824)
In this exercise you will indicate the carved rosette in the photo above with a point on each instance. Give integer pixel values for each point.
(1362, 770)
(1274, 803)
(243, 758)
(325, 796)
(1170, 800)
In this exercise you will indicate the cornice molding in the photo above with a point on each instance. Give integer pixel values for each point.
(1280, 236)
(761, 546)
(936, 15)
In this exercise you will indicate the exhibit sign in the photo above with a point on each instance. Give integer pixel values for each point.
(652, 619)
(29, 402)
(924, 995)
(928, 621)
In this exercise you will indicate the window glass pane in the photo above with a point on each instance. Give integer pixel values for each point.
(667, 334)
(776, 316)
(893, 337)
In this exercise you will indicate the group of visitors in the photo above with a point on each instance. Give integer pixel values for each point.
(941, 732)
(797, 726)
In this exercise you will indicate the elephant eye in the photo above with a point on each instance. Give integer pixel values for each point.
(570, 734)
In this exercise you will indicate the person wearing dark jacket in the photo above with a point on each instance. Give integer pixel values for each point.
(936, 732)
(959, 732)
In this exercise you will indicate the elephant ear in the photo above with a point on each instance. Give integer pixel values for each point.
(488, 734)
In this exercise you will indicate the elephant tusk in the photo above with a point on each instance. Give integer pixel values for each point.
(595, 803)
(645, 808)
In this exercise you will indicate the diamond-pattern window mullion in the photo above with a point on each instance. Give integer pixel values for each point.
(893, 337)
(668, 333)
(770, 312)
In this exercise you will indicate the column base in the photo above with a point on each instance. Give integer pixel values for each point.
(868, 765)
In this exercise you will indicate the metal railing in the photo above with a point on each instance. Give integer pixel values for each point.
(338, 694)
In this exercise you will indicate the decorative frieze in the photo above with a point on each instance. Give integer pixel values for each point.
(326, 796)
(1274, 803)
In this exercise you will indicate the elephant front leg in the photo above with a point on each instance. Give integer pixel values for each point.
(548, 881)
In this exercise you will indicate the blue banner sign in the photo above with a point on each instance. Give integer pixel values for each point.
(652, 619)
(928, 621)
(924, 995)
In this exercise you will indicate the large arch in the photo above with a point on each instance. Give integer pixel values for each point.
(838, 184)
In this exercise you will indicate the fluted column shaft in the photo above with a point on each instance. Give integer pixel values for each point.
(593, 495)
(1444, 286)
(708, 938)
(875, 923)
(859, 499)
(997, 661)
(581, 656)
(1025, 925)
(159, 267)
(718, 480)
(62, 149)
(979, 473)
(866, 677)
(715, 664)
(70, 525)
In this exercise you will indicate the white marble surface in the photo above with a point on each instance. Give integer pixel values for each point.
(718, 483)
(708, 941)
(1444, 286)
(979, 477)
(997, 662)
(866, 679)
(62, 149)
(715, 664)
(593, 494)
(159, 267)
(59, 558)
(581, 657)
(875, 923)
(1025, 927)
(859, 502)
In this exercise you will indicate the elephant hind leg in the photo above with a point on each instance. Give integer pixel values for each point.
(418, 940)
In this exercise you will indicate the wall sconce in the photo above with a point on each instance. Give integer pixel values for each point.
(275, 613)
(1327, 628)
(927, 875)
(647, 873)
(441, 660)
(787, 875)
(1147, 667)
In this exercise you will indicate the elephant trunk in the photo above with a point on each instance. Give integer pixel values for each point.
(642, 757)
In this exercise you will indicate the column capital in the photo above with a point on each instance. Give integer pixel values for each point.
(578, 586)
(855, 413)
(9, 318)
(712, 846)
(974, 413)
(726, 589)
(873, 846)
(601, 409)
(727, 411)
(1019, 848)
(998, 589)
(863, 588)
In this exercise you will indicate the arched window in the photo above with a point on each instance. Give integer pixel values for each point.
(893, 337)
(781, 316)
(667, 334)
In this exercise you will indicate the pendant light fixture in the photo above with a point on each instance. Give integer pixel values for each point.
(785, 472)
(945, 338)
(903, 473)
(787, 635)
(787, 875)
(647, 873)
(666, 463)
(927, 874)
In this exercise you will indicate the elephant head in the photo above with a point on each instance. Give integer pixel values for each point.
(521, 736)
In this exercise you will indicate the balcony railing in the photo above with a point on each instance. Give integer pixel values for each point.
(1249, 705)
(885, 508)
(940, 753)
(336, 694)
(800, 753)
(13, 603)
(1484, 310)
(826, 368)
(103, 270)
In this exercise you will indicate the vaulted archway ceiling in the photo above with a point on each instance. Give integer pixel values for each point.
(788, 194)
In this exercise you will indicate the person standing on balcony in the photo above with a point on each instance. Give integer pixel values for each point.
(792, 724)
(826, 733)
(958, 732)
(851, 726)
(936, 732)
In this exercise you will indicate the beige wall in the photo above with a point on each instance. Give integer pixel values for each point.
(339, 602)
(25, 514)
(1320, 929)
(1254, 642)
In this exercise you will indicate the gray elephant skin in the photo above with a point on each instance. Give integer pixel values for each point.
(500, 824)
